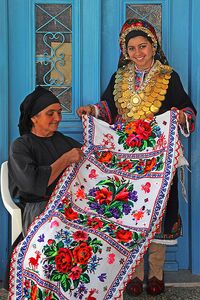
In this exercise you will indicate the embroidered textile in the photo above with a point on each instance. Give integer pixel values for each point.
(102, 215)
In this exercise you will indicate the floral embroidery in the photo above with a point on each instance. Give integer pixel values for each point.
(134, 166)
(69, 261)
(138, 135)
(34, 292)
(112, 197)
(146, 187)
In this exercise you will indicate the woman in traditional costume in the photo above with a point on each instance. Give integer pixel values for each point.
(144, 86)
(38, 157)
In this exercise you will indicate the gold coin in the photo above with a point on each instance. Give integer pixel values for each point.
(145, 108)
(136, 116)
(120, 100)
(135, 100)
(163, 92)
(154, 95)
(148, 89)
(167, 76)
(161, 97)
(150, 98)
(124, 104)
(120, 111)
(165, 81)
(127, 94)
(157, 103)
(156, 90)
(141, 95)
(140, 112)
(118, 80)
(129, 105)
(134, 109)
(164, 86)
(154, 109)
(159, 85)
(149, 115)
(143, 117)
(124, 86)
(147, 103)
(126, 74)
(129, 114)
(159, 79)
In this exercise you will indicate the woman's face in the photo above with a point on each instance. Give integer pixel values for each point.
(141, 52)
(46, 122)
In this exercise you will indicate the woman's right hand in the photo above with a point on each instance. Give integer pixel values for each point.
(84, 110)
(73, 156)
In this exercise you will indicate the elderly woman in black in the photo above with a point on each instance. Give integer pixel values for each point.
(145, 85)
(38, 157)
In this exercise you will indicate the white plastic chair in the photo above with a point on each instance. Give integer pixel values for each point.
(12, 208)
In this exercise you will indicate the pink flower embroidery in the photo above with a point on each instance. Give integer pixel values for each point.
(93, 174)
(54, 224)
(80, 235)
(146, 187)
(111, 258)
(75, 273)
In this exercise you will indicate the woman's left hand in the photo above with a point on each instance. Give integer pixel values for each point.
(181, 116)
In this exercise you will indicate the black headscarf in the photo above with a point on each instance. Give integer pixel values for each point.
(35, 102)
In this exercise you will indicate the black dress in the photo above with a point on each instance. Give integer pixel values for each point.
(29, 169)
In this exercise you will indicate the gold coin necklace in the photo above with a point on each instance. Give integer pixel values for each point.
(147, 99)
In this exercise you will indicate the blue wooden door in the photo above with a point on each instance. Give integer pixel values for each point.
(89, 31)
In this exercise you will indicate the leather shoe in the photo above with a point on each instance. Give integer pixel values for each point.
(155, 286)
(135, 287)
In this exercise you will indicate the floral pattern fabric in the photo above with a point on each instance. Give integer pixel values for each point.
(102, 215)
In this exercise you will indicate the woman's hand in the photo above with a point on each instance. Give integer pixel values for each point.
(84, 110)
(65, 160)
(73, 156)
(181, 116)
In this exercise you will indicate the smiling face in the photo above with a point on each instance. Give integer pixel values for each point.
(141, 52)
(46, 122)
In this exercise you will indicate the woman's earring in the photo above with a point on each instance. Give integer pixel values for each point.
(126, 56)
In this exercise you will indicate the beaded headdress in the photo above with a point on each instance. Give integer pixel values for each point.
(138, 25)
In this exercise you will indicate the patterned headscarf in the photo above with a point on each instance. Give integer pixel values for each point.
(138, 27)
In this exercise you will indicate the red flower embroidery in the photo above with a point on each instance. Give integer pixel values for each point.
(82, 254)
(133, 141)
(103, 196)
(94, 223)
(150, 164)
(70, 214)
(122, 196)
(143, 129)
(125, 165)
(105, 157)
(34, 290)
(63, 260)
(124, 235)
(80, 193)
(138, 215)
(80, 236)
